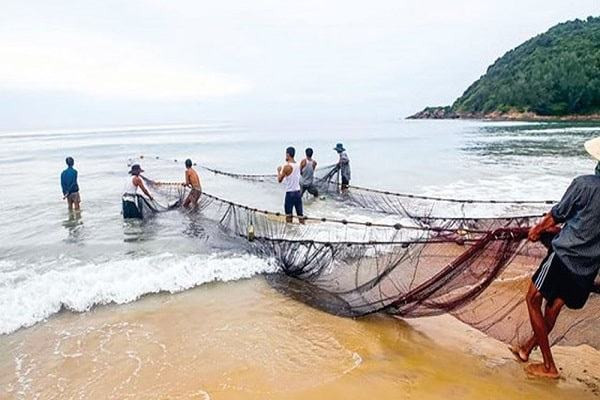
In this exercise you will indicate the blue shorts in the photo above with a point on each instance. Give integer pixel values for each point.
(293, 200)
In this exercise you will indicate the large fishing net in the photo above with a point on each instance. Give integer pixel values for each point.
(475, 269)
(418, 208)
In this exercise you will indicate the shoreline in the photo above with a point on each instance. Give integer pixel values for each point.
(207, 343)
(446, 113)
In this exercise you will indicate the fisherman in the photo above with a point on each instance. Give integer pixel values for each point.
(289, 174)
(70, 188)
(192, 181)
(343, 165)
(566, 276)
(131, 197)
(307, 170)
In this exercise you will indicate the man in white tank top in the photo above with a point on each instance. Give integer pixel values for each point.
(289, 175)
(131, 206)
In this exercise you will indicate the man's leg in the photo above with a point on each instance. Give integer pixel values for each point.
(76, 202)
(298, 207)
(288, 207)
(550, 315)
(187, 201)
(534, 306)
(70, 202)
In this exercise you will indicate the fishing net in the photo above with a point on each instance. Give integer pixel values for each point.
(475, 269)
(418, 208)
(166, 198)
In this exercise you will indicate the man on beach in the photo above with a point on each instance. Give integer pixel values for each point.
(192, 181)
(343, 165)
(307, 171)
(289, 175)
(566, 276)
(70, 188)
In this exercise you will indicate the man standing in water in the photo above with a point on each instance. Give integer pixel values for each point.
(343, 165)
(70, 188)
(131, 203)
(307, 171)
(192, 181)
(289, 174)
(567, 274)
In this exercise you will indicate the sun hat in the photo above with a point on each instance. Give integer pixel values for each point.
(136, 169)
(339, 147)
(592, 146)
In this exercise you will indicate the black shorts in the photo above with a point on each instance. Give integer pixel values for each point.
(293, 200)
(310, 189)
(345, 181)
(554, 280)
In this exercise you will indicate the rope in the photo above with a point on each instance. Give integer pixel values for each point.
(371, 190)
(397, 226)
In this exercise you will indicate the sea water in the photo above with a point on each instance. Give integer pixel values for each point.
(52, 260)
(238, 338)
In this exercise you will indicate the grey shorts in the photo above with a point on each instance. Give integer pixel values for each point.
(73, 198)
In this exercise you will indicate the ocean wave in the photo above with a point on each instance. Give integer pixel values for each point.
(28, 296)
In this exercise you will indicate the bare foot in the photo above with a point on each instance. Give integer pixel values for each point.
(539, 370)
(519, 354)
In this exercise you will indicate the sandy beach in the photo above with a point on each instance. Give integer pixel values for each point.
(245, 340)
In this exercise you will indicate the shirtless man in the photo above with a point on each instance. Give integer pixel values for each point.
(566, 276)
(307, 172)
(289, 175)
(192, 181)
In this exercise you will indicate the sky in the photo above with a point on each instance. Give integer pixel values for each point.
(83, 63)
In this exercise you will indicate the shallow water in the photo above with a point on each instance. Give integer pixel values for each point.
(52, 261)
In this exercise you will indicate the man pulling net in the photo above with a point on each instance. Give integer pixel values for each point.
(132, 199)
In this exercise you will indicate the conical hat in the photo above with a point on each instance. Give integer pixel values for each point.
(592, 146)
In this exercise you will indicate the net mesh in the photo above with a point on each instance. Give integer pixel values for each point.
(416, 207)
(475, 269)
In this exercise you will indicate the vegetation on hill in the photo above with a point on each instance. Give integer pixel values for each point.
(555, 73)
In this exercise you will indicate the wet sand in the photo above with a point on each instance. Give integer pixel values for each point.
(245, 340)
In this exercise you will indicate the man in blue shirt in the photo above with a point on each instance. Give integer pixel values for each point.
(70, 189)
(566, 276)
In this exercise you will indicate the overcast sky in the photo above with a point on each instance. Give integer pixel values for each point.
(84, 63)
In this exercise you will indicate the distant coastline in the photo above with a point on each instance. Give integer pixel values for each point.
(446, 112)
(553, 76)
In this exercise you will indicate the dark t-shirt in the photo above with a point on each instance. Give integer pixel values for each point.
(578, 243)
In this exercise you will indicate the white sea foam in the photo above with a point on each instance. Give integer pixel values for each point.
(28, 296)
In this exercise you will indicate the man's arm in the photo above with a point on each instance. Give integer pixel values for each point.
(283, 172)
(137, 181)
(187, 179)
(314, 164)
(547, 224)
(302, 165)
(64, 184)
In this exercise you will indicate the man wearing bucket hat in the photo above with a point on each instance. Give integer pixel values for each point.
(343, 165)
(131, 206)
(566, 276)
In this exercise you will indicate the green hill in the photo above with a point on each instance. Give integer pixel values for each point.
(555, 73)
